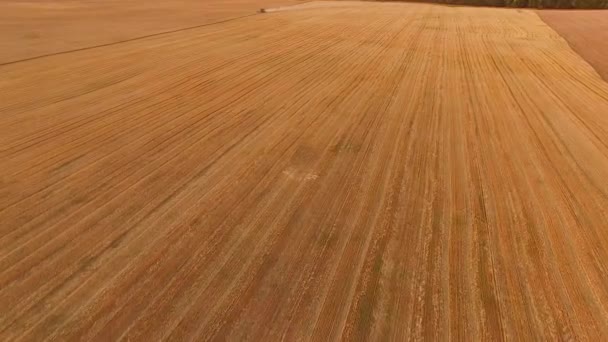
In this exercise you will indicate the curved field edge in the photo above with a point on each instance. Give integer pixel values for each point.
(585, 31)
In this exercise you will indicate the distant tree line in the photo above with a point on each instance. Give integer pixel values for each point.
(571, 4)
(587, 4)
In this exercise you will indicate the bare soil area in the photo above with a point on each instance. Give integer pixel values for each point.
(364, 170)
(586, 31)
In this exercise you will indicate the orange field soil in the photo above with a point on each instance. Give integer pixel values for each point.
(336, 170)
(586, 31)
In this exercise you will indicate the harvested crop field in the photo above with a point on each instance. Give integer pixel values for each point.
(587, 33)
(335, 170)
(33, 28)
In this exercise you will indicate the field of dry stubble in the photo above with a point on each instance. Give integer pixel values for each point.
(335, 169)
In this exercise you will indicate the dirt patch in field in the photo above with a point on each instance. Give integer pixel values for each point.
(585, 31)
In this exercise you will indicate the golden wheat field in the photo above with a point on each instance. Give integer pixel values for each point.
(323, 171)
